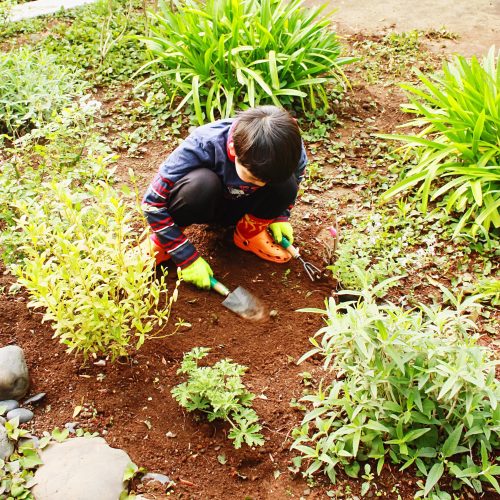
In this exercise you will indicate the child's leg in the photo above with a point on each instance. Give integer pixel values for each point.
(194, 199)
(260, 210)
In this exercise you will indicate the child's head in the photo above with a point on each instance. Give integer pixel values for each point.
(267, 143)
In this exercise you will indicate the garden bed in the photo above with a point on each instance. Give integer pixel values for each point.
(129, 402)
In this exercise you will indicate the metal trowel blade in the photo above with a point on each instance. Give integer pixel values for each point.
(243, 303)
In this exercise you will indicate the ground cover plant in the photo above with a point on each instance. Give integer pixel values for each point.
(458, 155)
(100, 40)
(81, 268)
(219, 392)
(243, 54)
(412, 387)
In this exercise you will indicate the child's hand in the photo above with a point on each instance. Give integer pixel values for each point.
(198, 273)
(280, 229)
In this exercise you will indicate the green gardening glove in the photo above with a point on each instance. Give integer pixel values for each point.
(280, 229)
(198, 273)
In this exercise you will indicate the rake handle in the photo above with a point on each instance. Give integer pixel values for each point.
(293, 251)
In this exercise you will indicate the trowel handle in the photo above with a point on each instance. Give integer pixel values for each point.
(293, 251)
(219, 287)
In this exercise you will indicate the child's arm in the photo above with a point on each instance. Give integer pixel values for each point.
(189, 156)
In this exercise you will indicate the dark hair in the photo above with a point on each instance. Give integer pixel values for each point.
(267, 142)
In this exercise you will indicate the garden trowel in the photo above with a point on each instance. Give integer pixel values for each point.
(239, 301)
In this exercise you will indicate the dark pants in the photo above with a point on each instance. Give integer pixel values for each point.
(199, 198)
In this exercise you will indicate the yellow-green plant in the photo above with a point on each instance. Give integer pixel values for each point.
(220, 54)
(458, 149)
(81, 268)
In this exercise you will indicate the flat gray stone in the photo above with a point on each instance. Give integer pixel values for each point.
(14, 377)
(6, 447)
(34, 399)
(22, 414)
(81, 469)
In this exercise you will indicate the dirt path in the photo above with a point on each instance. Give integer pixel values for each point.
(477, 22)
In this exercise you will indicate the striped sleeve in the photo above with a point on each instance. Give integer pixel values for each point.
(166, 233)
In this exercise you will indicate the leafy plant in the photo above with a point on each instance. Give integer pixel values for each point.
(219, 392)
(458, 152)
(413, 387)
(81, 267)
(33, 86)
(222, 54)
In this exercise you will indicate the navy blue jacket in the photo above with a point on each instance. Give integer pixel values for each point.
(206, 147)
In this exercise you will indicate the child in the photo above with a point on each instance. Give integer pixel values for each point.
(242, 171)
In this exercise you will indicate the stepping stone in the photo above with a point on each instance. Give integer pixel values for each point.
(81, 469)
(14, 378)
(43, 7)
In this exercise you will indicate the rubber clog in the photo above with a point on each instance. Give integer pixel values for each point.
(262, 245)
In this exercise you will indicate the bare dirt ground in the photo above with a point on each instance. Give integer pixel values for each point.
(476, 22)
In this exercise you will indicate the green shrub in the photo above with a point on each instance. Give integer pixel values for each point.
(458, 150)
(32, 87)
(219, 392)
(413, 387)
(68, 147)
(221, 54)
(81, 267)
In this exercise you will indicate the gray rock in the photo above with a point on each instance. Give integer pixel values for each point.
(34, 399)
(9, 404)
(6, 447)
(80, 469)
(14, 378)
(23, 414)
(2, 420)
(153, 476)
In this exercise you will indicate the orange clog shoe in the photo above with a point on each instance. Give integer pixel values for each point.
(262, 245)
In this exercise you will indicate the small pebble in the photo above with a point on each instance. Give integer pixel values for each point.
(307, 492)
(35, 399)
(153, 476)
(273, 313)
(170, 434)
(9, 404)
(23, 414)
